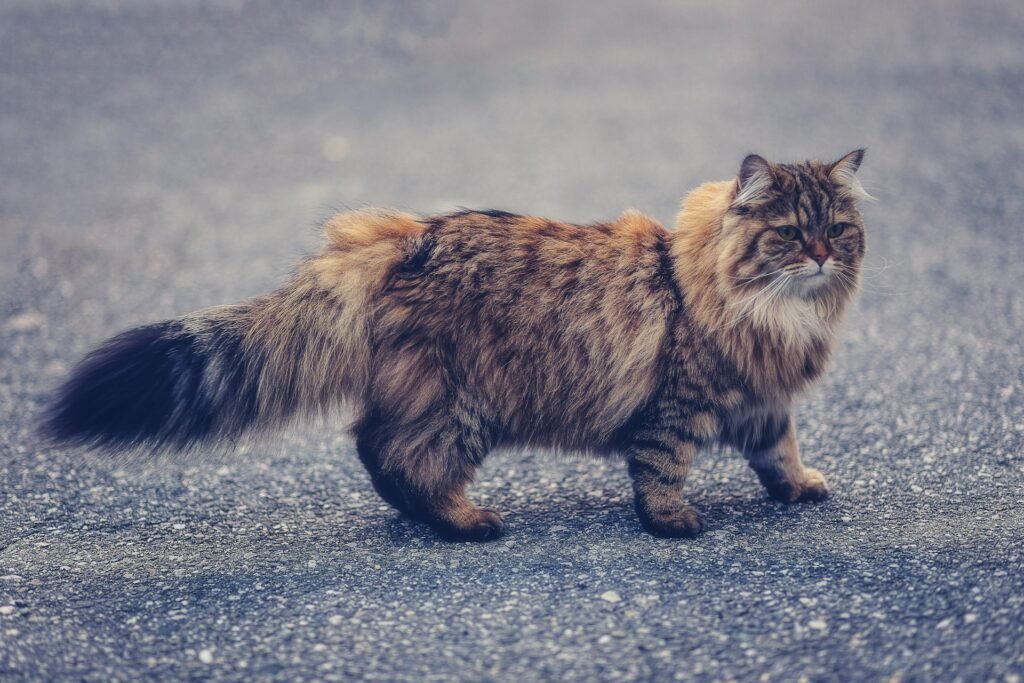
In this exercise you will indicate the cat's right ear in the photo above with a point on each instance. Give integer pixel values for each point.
(844, 174)
(754, 181)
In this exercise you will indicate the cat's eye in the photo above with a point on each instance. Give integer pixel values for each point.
(788, 232)
(836, 229)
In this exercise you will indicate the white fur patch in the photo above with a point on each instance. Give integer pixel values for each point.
(754, 190)
(845, 176)
(793, 320)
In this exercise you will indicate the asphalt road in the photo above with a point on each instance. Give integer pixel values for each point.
(155, 160)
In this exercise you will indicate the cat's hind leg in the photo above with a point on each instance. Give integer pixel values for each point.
(384, 483)
(423, 468)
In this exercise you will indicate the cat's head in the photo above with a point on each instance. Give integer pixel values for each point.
(793, 230)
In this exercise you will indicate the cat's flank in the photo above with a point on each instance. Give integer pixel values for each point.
(456, 335)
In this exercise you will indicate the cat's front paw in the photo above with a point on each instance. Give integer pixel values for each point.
(678, 522)
(809, 486)
(814, 487)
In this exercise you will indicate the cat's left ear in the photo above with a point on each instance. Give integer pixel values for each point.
(843, 174)
(754, 182)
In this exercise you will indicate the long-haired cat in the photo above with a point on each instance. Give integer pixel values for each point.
(459, 334)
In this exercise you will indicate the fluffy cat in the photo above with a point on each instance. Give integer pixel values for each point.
(459, 334)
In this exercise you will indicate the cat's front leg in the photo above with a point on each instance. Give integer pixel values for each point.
(770, 446)
(658, 466)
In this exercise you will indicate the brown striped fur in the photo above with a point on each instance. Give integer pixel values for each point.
(456, 335)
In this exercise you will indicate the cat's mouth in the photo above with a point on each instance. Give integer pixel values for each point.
(810, 279)
(818, 277)
(816, 272)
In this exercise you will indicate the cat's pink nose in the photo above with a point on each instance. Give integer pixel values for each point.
(817, 251)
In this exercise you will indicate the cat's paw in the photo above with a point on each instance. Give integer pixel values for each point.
(679, 522)
(479, 526)
(813, 487)
(809, 487)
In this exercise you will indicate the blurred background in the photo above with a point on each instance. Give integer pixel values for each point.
(159, 157)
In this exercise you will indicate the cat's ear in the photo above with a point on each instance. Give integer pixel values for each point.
(754, 181)
(843, 174)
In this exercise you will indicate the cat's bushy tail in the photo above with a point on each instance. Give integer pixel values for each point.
(216, 374)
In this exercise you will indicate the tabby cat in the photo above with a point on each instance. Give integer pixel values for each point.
(455, 335)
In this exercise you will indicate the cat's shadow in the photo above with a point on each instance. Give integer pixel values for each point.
(583, 513)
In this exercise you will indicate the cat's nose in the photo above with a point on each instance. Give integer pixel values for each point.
(817, 251)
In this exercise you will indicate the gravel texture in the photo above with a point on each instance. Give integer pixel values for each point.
(161, 158)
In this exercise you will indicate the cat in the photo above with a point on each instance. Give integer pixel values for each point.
(458, 334)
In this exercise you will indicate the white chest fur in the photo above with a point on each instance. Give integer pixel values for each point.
(794, 322)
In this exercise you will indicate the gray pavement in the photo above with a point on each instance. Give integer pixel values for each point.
(155, 159)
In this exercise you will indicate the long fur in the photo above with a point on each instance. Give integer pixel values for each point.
(219, 373)
(454, 335)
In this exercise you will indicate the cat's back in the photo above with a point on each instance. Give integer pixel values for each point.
(540, 253)
(558, 322)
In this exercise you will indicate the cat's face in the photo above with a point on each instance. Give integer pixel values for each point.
(794, 230)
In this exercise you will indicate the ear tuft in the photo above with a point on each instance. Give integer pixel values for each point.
(755, 179)
(844, 174)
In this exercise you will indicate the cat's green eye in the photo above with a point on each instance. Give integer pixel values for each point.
(788, 232)
(836, 229)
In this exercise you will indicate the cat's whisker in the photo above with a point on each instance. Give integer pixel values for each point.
(756, 277)
(879, 269)
(847, 275)
(846, 280)
(770, 299)
(751, 302)
(760, 301)
(743, 302)
(777, 293)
